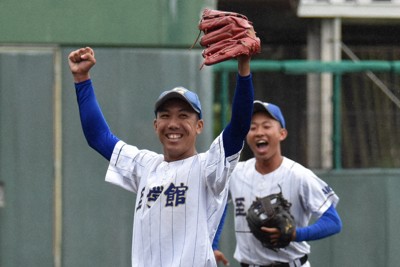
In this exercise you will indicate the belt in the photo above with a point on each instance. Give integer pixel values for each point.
(277, 264)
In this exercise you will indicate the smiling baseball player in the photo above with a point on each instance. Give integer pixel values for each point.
(267, 174)
(181, 194)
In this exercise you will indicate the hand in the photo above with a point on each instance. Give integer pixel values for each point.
(275, 234)
(80, 62)
(219, 256)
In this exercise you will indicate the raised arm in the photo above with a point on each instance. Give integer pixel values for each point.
(94, 126)
(242, 107)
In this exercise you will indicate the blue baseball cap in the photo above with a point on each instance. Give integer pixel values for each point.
(271, 109)
(182, 93)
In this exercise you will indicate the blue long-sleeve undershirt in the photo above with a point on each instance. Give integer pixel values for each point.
(217, 236)
(242, 109)
(328, 224)
(94, 126)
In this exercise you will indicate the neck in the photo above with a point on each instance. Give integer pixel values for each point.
(173, 157)
(265, 166)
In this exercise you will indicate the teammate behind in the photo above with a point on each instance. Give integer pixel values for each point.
(181, 194)
(267, 173)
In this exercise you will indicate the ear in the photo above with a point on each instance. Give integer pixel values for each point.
(199, 126)
(155, 125)
(283, 133)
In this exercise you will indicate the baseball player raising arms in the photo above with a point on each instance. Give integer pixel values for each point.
(181, 194)
(270, 173)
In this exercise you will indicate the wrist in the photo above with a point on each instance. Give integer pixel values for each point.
(81, 77)
(244, 65)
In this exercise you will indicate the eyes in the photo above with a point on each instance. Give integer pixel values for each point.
(181, 115)
(265, 126)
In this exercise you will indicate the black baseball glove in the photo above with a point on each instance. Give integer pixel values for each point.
(272, 211)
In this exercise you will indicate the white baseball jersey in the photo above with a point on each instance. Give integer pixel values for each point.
(178, 205)
(309, 195)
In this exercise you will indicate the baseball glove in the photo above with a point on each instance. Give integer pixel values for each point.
(226, 36)
(272, 211)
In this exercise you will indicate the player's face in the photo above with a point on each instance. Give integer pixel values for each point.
(177, 126)
(265, 136)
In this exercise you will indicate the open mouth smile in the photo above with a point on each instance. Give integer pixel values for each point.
(261, 144)
(174, 136)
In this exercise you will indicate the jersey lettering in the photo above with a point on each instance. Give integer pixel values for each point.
(240, 210)
(153, 194)
(141, 199)
(176, 195)
(327, 189)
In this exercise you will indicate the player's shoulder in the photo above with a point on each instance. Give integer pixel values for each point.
(288, 163)
(296, 169)
(130, 153)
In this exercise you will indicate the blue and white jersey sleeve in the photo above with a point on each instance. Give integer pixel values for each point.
(316, 195)
(128, 164)
(218, 166)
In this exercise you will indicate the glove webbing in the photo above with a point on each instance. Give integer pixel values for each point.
(266, 204)
(219, 14)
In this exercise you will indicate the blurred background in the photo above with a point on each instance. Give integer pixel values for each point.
(332, 66)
